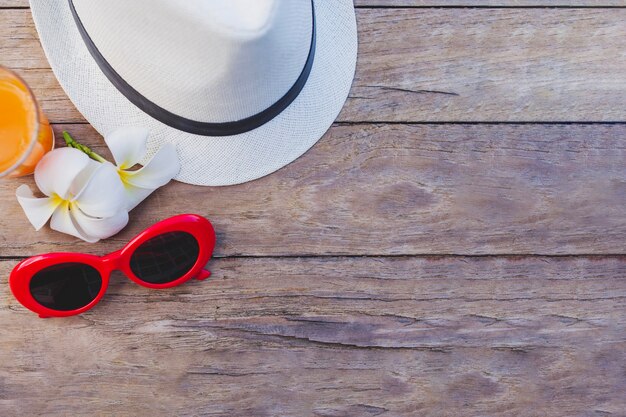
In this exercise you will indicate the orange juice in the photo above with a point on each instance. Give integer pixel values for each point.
(25, 134)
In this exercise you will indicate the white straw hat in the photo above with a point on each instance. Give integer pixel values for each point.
(241, 87)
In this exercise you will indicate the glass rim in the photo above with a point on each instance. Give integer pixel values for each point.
(33, 139)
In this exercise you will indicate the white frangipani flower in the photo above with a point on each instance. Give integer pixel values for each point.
(128, 146)
(84, 198)
(87, 196)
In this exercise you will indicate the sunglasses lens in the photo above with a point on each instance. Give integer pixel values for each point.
(165, 257)
(65, 287)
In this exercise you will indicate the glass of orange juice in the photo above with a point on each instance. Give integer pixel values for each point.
(25, 133)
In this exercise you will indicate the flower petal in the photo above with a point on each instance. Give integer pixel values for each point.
(135, 195)
(37, 210)
(57, 170)
(98, 228)
(62, 222)
(158, 171)
(102, 194)
(82, 179)
(128, 145)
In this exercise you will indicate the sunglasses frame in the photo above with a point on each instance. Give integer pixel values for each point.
(199, 227)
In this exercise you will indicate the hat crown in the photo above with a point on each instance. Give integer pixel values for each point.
(237, 17)
(209, 61)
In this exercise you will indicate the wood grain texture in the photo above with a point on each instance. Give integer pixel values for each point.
(14, 3)
(303, 316)
(398, 189)
(333, 337)
(440, 65)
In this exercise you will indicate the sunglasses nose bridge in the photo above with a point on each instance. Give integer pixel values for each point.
(112, 261)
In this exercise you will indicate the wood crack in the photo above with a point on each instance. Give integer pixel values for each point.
(408, 90)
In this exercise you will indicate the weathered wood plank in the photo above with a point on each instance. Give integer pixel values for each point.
(440, 3)
(333, 337)
(490, 65)
(14, 3)
(398, 189)
(441, 65)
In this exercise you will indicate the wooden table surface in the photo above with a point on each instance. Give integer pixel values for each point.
(454, 246)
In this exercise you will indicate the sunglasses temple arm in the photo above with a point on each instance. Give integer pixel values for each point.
(204, 274)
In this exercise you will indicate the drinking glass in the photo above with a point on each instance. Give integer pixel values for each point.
(25, 133)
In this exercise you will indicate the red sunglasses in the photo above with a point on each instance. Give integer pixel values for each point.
(165, 255)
